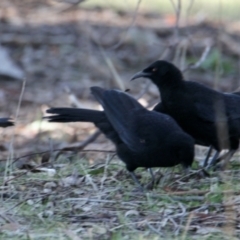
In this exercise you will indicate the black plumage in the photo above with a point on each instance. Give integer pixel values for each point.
(212, 118)
(6, 122)
(142, 138)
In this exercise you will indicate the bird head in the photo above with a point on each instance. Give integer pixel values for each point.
(160, 72)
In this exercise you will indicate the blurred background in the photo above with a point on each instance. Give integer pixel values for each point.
(59, 48)
(51, 52)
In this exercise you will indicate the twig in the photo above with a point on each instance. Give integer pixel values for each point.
(56, 150)
(187, 227)
(189, 8)
(89, 200)
(34, 168)
(104, 177)
(116, 76)
(11, 150)
(112, 69)
(154, 229)
(177, 10)
(72, 97)
(73, 5)
(29, 198)
(6, 218)
(129, 27)
(82, 144)
(74, 100)
(89, 179)
(144, 90)
(189, 198)
(201, 60)
(171, 51)
(202, 192)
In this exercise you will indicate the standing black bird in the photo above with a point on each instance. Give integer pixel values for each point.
(212, 118)
(142, 138)
(6, 122)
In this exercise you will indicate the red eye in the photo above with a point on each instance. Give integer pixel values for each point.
(154, 69)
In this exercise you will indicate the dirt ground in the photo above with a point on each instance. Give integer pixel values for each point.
(63, 51)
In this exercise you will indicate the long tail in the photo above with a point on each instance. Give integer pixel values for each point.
(84, 115)
(74, 115)
(6, 122)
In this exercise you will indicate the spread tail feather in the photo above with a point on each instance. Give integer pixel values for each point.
(74, 115)
(6, 122)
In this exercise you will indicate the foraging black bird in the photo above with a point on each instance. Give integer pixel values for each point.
(212, 118)
(6, 122)
(160, 108)
(211, 147)
(142, 138)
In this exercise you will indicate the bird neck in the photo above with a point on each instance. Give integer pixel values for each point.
(170, 81)
(170, 87)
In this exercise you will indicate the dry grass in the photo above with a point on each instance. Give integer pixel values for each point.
(87, 194)
(79, 201)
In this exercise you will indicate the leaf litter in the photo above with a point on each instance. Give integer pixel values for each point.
(80, 191)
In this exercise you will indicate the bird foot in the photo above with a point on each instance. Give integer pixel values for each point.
(202, 173)
(150, 185)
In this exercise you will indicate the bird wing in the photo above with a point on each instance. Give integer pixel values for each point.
(206, 104)
(217, 107)
(120, 109)
(159, 108)
(209, 113)
(232, 101)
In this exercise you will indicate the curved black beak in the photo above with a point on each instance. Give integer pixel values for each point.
(141, 74)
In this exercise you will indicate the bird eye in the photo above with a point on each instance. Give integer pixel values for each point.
(154, 69)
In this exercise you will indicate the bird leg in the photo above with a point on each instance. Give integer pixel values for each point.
(150, 185)
(225, 157)
(152, 175)
(207, 157)
(215, 159)
(202, 172)
(136, 180)
(186, 169)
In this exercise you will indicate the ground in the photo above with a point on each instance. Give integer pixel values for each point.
(59, 183)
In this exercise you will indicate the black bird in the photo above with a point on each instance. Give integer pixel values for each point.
(212, 118)
(142, 138)
(211, 147)
(160, 108)
(6, 122)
